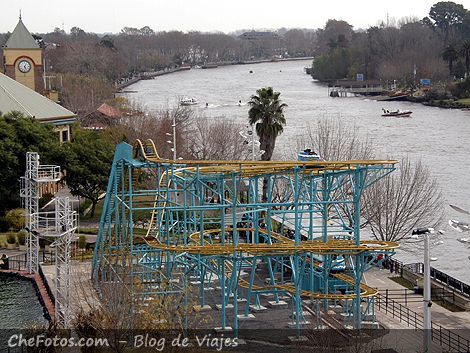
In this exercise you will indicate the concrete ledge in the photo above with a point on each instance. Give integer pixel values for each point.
(304, 314)
(222, 330)
(219, 306)
(369, 324)
(257, 308)
(280, 304)
(243, 317)
(298, 338)
(199, 308)
(294, 324)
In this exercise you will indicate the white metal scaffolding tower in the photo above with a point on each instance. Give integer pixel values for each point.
(65, 226)
(35, 176)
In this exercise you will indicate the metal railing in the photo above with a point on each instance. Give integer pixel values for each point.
(406, 295)
(444, 337)
(17, 262)
(441, 277)
(46, 285)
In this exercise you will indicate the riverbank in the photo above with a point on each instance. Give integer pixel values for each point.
(443, 103)
(123, 83)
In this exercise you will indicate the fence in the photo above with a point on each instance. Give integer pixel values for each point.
(444, 337)
(406, 295)
(17, 262)
(418, 268)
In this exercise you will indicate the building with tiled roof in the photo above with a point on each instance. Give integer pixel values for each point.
(15, 96)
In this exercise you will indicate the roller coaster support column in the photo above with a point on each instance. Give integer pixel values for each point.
(325, 197)
(235, 257)
(296, 268)
(358, 185)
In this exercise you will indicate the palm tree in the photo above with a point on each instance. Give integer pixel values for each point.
(465, 50)
(450, 54)
(267, 112)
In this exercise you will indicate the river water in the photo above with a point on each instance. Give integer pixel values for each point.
(19, 304)
(439, 137)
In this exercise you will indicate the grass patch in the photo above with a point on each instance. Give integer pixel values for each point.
(465, 102)
(403, 282)
(435, 298)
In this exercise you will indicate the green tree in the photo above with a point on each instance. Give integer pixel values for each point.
(16, 218)
(332, 66)
(450, 54)
(465, 51)
(267, 114)
(89, 159)
(19, 135)
(82, 242)
(447, 14)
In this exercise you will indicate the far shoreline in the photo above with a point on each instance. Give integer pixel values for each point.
(152, 74)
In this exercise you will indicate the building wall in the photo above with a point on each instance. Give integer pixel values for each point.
(33, 78)
(63, 132)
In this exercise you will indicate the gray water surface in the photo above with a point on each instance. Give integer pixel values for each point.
(19, 304)
(439, 137)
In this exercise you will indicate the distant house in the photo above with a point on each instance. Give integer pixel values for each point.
(103, 117)
(255, 35)
(15, 96)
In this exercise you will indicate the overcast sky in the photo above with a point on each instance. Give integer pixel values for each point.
(103, 16)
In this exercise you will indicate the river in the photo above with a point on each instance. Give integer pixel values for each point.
(19, 304)
(439, 137)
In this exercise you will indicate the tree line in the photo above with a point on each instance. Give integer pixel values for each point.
(436, 47)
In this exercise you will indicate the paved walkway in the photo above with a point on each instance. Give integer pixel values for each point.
(451, 320)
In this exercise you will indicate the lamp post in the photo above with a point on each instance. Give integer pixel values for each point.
(425, 232)
(173, 135)
(246, 134)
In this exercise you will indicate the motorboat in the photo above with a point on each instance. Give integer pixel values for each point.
(308, 155)
(397, 113)
(459, 226)
(188, 101)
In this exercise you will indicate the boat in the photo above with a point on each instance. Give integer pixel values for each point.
(308, 155)
(459, 226)
(188, 101)
(398, 113)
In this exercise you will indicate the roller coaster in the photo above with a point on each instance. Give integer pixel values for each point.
(231, 222)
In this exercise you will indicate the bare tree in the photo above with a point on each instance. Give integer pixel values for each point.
(216, 139)
(392, 207)
(404, 200)
(335, 141)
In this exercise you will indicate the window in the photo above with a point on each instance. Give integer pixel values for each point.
(65, 135)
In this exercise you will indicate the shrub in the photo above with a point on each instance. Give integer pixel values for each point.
(16, 218)
(11, 239)
(82, 242)
(21, 237)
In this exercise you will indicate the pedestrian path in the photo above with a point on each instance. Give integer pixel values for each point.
(380, 279)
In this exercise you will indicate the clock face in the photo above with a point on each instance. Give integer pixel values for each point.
(24, 66)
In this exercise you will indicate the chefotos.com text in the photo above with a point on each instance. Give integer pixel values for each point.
(18, 340)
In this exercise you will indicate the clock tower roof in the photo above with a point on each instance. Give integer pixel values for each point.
(21, 38)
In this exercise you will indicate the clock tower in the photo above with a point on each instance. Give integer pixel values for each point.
(22, 58)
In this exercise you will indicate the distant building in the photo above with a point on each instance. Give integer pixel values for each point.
(103, 117)
(255, 35)
(15, 96)
(23, 58)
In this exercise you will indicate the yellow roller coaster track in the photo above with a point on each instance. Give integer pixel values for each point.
(284, 246)
(147, 151)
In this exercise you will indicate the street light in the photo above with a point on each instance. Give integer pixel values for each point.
(425, 232)
(246, 135)
(173, 135)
